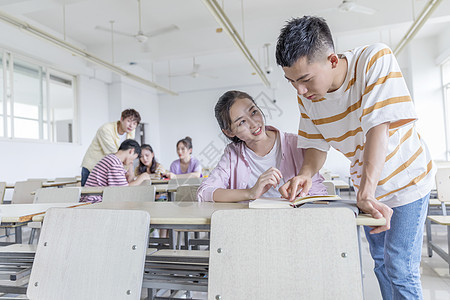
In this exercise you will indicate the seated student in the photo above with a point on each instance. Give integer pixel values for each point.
(107, 140)
(186, 166)
(260, 158)
(110, 171)
(148, 164)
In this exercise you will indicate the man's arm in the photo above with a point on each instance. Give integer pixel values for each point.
(107, 140)
(312, 163)
(374, 158)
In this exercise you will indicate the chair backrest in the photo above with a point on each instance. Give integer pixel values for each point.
(57, 195)
(331, 188)
(23, 191)
(443, 184)
(305, 253)
(59, 179)
(186, 181)
(2, 191)
(90, 254)
(140, 193)
(187, 193)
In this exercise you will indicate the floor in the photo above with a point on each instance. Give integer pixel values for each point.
(434, 270)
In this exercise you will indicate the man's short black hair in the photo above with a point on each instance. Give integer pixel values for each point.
(131, 144)
(308, 37)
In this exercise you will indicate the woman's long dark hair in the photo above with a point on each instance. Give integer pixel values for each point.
(222, 110)
(143, 168)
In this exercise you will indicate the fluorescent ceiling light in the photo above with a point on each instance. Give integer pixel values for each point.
(225, 23)
(80, 52)
(418, 23)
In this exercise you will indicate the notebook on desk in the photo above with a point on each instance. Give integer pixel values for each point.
(308, 201)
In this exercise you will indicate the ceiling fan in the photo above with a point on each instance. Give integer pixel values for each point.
(140, 36)
(352, 6)
(195, 72)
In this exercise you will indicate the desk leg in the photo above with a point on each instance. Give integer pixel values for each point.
(172, 239)
(18, 231)
(358, 230)
(448, 247)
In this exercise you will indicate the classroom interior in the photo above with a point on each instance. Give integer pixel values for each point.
(69, 66)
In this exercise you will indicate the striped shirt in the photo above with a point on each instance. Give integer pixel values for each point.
(373, 92)
(107, 172)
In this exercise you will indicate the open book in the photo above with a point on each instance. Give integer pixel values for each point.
(283, 203)
(308, 201)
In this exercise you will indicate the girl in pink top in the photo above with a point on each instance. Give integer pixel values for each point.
(259, 159)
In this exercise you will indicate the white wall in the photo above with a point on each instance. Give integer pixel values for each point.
(427, 94)
(145, 101)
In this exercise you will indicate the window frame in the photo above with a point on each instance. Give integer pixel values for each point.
(8, 59)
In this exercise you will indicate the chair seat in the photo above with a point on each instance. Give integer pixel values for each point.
(443, 220)
(37, 225)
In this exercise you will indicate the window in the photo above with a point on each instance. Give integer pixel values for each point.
(446, 92)
(36, 102)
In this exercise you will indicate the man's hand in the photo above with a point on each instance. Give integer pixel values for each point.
(298, 184)
(377, 210)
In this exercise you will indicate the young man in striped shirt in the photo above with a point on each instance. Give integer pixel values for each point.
(110, 171)
(358, 103)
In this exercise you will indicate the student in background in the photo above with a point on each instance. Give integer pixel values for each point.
(109, 171)
(258, 161)
(358, 102)
(148, 163)
(187, 166)
(108, 139)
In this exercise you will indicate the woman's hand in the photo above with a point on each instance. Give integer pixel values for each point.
(268, 179)
(298, 184)
(168, 175)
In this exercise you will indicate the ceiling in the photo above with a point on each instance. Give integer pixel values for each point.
(220, 62)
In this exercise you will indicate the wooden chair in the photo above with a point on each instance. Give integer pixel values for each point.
(2, 191)
(331, 188)
(23, 191)
(185, 181)
(308, 253)
(188, 193)
(90, 254)
(140, 193)
(443, 192)
(52, 195)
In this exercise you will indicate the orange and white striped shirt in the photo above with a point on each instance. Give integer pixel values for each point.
(374, 92)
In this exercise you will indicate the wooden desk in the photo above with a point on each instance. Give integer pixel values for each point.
(58, 183)
(98, 190)
(17, 215)
(188, 215)
(92, 190)
(338, 184)
(160, 181)
(10, 185)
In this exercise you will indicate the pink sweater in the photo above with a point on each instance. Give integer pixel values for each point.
(233, 170)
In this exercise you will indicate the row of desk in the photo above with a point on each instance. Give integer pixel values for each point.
(164, 215)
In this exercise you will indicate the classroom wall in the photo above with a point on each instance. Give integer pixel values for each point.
(427, 94)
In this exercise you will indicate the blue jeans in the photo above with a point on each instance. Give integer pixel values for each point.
(84, 175)
(397, 252)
